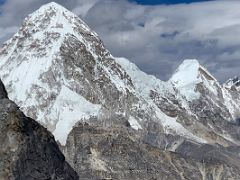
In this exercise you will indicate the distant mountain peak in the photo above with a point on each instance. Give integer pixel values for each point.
(56, 68)
(188, 75)
(233, 83)
(54, 17)
(190, 71)
(53, 4)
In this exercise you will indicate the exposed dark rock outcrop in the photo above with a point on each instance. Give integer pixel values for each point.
(27, 150)
(119, 153)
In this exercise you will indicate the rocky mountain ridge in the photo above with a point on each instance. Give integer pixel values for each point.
(27, 150)
(233, 84)
(120, 153)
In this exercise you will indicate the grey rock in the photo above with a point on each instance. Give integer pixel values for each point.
(119, 153)
(28, 151)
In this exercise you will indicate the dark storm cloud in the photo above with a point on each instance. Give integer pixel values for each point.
(156, 38)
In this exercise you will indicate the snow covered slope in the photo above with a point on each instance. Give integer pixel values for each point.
(194, 104)
(59, 72)
(194, 82)
(40, 79)
(211, 104)
(190, 73)
(144, 85)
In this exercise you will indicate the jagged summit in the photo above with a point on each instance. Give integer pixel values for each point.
(54, 10)
(54, 5)
(188, 75)
(190, 71)
(56, 18)
(233, 83)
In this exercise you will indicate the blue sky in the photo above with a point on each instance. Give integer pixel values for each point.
(154, 2)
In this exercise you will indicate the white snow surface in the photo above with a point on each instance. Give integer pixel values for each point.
(171, 125)
(188, 75)
(69, 108)
(144, 83)
(134, 123)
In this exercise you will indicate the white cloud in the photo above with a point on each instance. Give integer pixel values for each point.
(7, 31)
(156, 38)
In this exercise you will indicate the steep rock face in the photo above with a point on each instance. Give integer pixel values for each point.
(170, 106)
(193, 100)
(119, 153)
(28, 150)
(209, 102)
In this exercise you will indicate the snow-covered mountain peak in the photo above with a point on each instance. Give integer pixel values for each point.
(187, 73)
(54, 65)
(52, 17)
(190, 74)
(36, 46)
(52, 10)
(43, 32)
(233, 83)
(53, 5)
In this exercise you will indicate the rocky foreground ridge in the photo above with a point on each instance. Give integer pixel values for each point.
(111, 119)
(27, 150)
